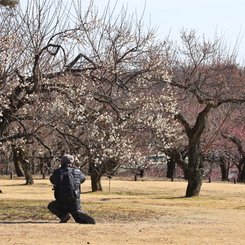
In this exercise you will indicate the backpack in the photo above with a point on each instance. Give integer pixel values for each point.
(65, 186)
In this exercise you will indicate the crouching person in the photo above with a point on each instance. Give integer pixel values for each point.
(67, 180)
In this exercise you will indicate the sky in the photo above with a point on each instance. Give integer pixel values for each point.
(222, 18)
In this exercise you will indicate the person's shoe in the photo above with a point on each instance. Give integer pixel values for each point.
(65, 218)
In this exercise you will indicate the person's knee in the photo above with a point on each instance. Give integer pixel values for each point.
(52, 207)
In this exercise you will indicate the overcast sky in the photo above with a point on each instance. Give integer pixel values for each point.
(226, 18)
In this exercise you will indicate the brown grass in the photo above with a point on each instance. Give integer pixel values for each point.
(142, 212)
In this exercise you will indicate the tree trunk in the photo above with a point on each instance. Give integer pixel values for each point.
(195, 159)
(17, 165)
(241, 174)
(96, 172)
(241, 165)
(95, 177)
(96, 182)
(27, 171)
(178, 157)
(195, 169)
(19, 157)
(18, 168)
(224, 172)
(170, 168)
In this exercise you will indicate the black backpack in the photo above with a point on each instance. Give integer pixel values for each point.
(65, 190)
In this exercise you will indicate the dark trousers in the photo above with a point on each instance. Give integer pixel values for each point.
(62, 209)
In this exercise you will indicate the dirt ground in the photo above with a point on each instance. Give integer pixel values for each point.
(154, 213)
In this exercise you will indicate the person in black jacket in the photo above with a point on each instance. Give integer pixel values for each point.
(63, 209)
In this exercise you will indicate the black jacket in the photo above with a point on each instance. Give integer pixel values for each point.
(78, 175)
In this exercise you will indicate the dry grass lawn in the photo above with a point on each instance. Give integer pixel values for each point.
(142, 212)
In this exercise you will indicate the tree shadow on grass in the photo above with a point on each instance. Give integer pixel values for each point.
(23, 184)
(172, 198)
(159, 197)
(113, 198)
(28, 222)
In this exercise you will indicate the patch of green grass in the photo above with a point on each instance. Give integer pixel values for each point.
(12, 210)
(123, 212)
(23, 209)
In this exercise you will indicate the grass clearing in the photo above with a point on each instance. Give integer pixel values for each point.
(142, 212)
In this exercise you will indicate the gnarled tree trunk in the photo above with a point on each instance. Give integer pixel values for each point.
(195, 159)
(19, 158)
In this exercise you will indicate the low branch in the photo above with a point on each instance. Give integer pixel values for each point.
(236, 141)
(184, 122)
(16, 136)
